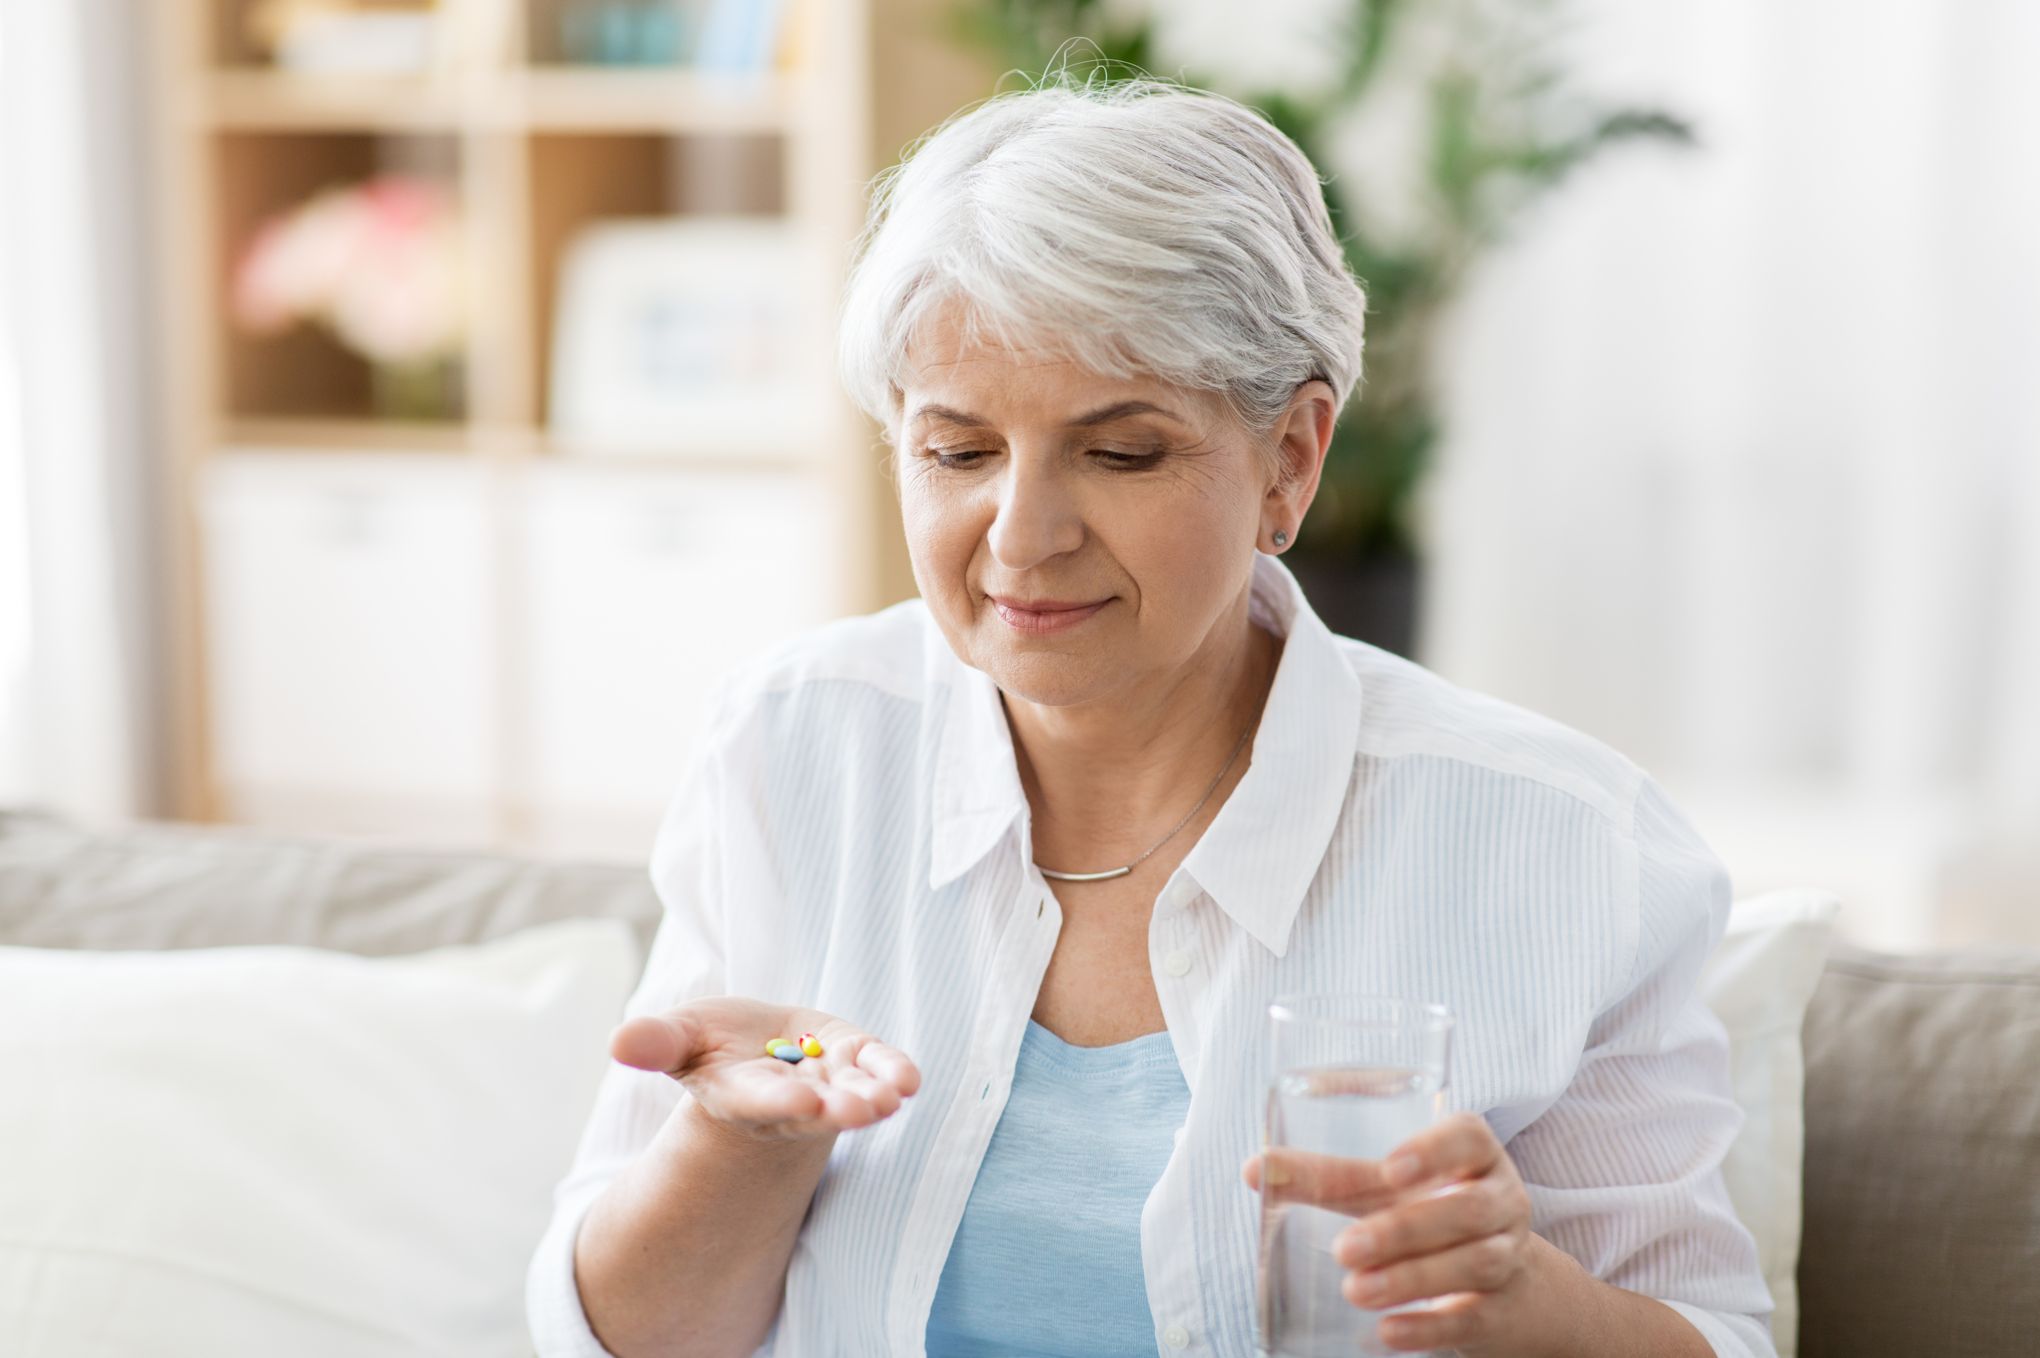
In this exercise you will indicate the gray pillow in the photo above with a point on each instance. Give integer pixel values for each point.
(159, 884)
(1922, 1221)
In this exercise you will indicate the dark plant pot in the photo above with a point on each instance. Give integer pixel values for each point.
(1370, 598)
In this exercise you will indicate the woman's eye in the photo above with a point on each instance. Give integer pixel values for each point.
(965, 459)
(1125, 461)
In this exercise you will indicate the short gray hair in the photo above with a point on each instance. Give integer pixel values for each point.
(1139, 227)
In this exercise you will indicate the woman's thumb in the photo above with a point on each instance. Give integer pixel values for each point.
(661, 1042)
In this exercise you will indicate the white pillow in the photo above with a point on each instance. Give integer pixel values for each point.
(283, 1150)
(1759, 982)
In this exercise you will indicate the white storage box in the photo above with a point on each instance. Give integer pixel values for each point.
(638, 588)
(352, 641)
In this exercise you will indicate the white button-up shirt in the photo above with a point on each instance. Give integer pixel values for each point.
(854, 838)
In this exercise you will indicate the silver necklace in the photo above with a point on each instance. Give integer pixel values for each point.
(1121, 872)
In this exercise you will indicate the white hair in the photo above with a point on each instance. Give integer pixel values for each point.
(1142, 227)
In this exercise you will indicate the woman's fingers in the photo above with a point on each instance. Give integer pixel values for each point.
(890, 1065)
(864, 1080)
(1485, 1265)
(846, 1107)
(660, 1042)
(1463, 1146)
(1460, 1319)
(883, 1098)
(1446, 1217)
(1339, 1182)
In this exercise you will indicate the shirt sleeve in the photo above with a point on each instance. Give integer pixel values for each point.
(1624, 1170)
(687, 960)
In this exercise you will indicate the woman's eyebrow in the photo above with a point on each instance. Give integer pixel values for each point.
(1102, 415)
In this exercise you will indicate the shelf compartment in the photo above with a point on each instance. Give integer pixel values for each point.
(362, 435)
(563, 99)
(228, 42)
(265, 99)
(580, 178)
(614, 698)
(305, 371)
(598, 98)
(319, 570)
(230, 39)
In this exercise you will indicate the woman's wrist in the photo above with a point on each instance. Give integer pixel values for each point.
(692, 1131)
(1581, 1316)
(703, 1201)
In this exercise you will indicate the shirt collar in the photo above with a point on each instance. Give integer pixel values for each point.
(977, 790)
(1260, 853)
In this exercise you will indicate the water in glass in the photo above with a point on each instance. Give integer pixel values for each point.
(1359, 1112)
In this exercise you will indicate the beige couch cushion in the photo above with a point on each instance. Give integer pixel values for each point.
(168, 885)
(1922, 1220)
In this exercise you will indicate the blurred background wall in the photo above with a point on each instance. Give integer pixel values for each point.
(1746, 460)
(1730, 457)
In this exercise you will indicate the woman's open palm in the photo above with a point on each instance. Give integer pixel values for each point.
(716, 1048)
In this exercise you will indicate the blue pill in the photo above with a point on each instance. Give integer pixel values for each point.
(790, 1054)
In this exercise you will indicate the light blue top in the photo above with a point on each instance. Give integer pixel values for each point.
(1046, 1261)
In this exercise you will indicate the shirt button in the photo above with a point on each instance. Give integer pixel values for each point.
(1176, 1337)
(1176, 963)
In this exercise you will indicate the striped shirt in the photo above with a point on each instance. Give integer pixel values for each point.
(854, 837)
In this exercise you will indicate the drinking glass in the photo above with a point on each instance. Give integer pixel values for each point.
(1354, 1076)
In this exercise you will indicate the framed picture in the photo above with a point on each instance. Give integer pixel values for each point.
(686, 335)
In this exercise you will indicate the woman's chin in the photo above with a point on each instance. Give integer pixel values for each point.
(1046, 678)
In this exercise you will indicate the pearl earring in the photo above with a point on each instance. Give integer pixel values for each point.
(1281, 537)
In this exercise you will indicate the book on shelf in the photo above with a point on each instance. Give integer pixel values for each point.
(722, 36)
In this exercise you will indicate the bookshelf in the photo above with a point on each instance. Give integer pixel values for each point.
(477, 700)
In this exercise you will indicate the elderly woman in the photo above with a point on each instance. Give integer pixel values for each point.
(1030, 855)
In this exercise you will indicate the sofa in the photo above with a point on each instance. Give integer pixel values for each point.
(1918, 1229)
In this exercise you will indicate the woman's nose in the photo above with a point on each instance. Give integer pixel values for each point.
(1037, 519)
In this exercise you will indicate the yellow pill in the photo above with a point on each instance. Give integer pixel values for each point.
(811, 1047)
(772, 1046)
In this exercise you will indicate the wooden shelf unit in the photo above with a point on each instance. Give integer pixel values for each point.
(534, 150)
(561, 98)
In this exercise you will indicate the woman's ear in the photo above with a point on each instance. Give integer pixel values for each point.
(1300, 437)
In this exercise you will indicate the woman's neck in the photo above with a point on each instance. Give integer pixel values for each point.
(1106, 782)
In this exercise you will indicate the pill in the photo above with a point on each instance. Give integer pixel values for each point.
(788, 1053)
(809, 1045)
(773, 1045)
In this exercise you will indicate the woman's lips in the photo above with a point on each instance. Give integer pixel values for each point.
(1040, 620)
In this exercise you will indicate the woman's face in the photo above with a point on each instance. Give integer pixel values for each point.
(1125, 512)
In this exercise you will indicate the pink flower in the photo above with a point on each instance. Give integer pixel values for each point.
(296, 262)
(380, 262)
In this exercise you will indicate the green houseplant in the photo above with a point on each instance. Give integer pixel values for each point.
(1478, 98)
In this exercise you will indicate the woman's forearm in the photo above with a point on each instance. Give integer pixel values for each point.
(685, 1252)
(1593, 1319)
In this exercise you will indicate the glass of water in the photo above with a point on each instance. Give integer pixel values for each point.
(1354, 1077)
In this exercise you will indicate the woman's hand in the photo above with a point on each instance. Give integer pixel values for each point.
(716, 1048)
(1445, 1216)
